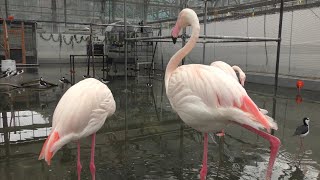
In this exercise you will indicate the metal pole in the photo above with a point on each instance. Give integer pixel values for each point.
(125, 62)
(6, 133)
(204, 30)
(92, 52)
(65, 13)
(208, 37)
(290, 40)
(278, 50)
(184, 30)
(70, 65)
(247, 44)
(6, 7)
(277, 65)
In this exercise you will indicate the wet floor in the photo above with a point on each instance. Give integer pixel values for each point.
(145, 139)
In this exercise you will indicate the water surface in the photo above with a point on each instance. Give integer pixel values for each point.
(145, 139)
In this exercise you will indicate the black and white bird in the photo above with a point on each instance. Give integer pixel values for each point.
(86, 76)
(7, 71)
(6, 74)
(63, 80)
(42, 82)
(303, 130)
(16, 73)
(104, 80)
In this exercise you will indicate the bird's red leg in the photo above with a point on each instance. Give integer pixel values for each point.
(92, 166)
(79, 167)
(274, 143)
(203, 172)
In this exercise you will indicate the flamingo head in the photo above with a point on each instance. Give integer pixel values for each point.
(186, 16)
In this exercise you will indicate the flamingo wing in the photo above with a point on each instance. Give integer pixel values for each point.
(202, 94)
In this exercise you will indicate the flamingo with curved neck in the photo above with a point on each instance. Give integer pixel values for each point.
(207, 99)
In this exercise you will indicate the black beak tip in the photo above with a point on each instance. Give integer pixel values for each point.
(174, 40)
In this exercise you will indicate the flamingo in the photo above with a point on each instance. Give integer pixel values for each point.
(231, 70)
(81, 112)
(207, 99)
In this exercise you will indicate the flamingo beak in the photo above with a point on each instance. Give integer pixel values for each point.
(174, 39)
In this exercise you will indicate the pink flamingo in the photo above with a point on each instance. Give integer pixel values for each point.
(231, 70)
(207, 99)
(81, 112)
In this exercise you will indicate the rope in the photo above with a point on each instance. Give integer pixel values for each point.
(70, 40)
(63, 38)
(82, 38)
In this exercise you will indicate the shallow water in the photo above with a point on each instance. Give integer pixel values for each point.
(145, 139)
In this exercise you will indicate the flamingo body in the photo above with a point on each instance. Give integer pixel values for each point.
(81, 111)
(206, 98)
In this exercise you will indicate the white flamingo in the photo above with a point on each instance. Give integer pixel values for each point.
(207, 99)
(81, 112)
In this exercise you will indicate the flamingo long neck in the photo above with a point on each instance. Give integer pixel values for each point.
(236, 68)
(178, 56)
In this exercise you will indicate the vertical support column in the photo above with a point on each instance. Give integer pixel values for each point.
(34, 37)
(277, 64)
(54, 16)
(109, 12)
(289, 66)
(204, 30)
(113, 10)
(145, 10)
(6, 133)
(23, 45)
(103, 11)
(65, 12)
(125, 43)
(278, 49)
(183, 5)
(6, 40)
(247, 44)
(6, 7)
(92, 52)
(126, 83)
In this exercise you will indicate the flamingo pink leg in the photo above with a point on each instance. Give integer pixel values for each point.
(203, 172)
(79, 167)
(274, 143)
(92, 166)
